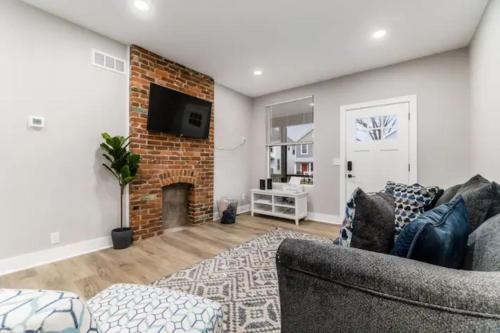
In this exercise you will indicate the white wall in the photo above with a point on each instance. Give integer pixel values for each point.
(52, 179)
(485, 95)
(233, 112)
(441, 83)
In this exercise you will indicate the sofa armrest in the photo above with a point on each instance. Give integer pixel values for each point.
(355, 279)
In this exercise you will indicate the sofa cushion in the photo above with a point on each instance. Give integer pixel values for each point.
(411, 201)
(484, 246)
(43, 311)
(373, 226)
(437, 237)
(495, 205)
(448, 194)
(477, 193)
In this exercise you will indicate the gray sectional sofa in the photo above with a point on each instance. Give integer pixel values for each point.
(329, 288)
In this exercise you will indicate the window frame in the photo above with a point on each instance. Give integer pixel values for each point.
(302, 145)
(268, 144)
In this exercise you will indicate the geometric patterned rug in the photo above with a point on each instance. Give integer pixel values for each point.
(243, 280)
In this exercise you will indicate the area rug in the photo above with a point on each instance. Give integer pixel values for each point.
(243, 279)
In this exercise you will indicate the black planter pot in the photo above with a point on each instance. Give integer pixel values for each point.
(122, 238)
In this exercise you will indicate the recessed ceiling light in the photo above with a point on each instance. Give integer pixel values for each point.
(379, 34)
(258, 72)
(142, 5)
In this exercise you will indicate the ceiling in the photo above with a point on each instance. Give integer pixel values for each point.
(294, 42)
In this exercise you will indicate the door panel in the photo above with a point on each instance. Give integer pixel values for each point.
(377, 144)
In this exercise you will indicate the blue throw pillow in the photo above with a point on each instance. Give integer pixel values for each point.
(438, 237)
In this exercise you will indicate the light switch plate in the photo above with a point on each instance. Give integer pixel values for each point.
(36, 122)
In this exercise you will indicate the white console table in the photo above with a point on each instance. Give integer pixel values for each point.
(288, 205)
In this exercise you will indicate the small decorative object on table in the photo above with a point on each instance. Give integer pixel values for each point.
(227, 210)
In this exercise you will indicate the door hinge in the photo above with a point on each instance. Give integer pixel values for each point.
(409, 168)
(408, 115)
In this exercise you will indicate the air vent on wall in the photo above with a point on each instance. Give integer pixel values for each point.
(109, 62)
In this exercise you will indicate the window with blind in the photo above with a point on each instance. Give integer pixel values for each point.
(290, 140)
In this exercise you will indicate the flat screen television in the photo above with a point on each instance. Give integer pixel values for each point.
(173, 112)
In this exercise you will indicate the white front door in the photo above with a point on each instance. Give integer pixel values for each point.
(377, 147)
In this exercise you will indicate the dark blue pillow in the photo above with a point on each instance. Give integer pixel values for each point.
(438, 237)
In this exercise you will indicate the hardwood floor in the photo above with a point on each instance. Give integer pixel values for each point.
(153, 258)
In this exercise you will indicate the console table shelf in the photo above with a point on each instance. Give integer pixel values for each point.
(279, 203)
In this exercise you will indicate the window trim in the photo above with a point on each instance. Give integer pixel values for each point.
(267, 117)
(268, 144)
(268, 163)
(289, 100)
(302, 145)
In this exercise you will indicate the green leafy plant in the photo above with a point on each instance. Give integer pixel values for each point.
(120, 162)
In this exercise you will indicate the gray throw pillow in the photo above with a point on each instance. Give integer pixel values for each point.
(495, 205)
(484, 247)
(478, 196)
(448, 195)
(373, 223)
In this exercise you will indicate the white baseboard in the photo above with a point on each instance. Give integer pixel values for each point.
(241, 210)
(43, 257)
(324, 218)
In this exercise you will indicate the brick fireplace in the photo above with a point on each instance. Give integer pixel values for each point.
(167, 159)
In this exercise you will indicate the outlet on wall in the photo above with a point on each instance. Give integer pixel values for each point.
(55, 238)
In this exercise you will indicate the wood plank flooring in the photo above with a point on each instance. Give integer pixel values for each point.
(153, 258)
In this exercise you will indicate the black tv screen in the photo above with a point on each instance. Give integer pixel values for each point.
(173, 112)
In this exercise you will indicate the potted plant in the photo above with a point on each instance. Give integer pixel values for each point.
(123, 165)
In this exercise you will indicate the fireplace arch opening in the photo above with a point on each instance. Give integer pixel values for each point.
(176, 205)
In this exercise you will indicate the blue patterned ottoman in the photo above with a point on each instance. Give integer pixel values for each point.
(138, 308)
(43, 311)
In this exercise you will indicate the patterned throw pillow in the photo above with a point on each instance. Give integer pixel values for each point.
(411, 201)
(346, 229)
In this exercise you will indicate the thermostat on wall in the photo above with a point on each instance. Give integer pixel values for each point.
(36, 122)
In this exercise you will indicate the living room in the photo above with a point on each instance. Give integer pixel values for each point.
(276, 166)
